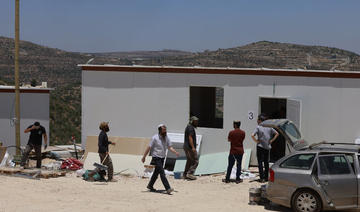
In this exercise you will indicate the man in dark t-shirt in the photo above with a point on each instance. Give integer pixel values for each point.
(236, 138)
(103, 144)
(37, 132)
(192, 160)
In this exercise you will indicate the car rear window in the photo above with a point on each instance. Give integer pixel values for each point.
(299, 161)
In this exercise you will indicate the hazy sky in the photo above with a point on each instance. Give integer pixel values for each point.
(190, 25)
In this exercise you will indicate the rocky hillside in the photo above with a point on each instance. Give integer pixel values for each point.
(59, 69)
(260, 54)
(142, 55)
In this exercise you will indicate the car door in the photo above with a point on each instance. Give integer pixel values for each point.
(338, 180)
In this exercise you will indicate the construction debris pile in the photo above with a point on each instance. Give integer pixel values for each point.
(56, 162)
(126, 156)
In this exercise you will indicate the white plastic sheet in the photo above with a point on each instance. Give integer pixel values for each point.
(3, 162)
(244, 174)
(7, 160)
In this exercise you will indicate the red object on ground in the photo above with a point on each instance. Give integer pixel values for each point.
(272, 175)
(71, 164)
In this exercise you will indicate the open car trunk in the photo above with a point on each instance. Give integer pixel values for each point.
(289, 140)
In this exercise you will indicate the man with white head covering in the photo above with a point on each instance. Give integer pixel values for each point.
(192, 160)
(157, 148)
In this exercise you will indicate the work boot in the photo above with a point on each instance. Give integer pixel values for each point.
(112, 180)
(238, 181)
(225, 181)
(152, 189)
(190, 177)
(168, 191)
(184, 176)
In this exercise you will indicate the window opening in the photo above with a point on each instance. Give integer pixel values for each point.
(207, 103)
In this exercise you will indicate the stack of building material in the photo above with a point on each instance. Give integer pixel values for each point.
(213, 163)
(61, 152)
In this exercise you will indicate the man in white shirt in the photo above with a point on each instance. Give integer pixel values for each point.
(157, 148)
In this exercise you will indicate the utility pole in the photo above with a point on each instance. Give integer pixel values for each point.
(17, 87)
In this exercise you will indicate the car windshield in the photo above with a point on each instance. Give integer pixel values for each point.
(291, 131)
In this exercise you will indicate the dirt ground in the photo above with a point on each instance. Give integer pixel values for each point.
(70, 193)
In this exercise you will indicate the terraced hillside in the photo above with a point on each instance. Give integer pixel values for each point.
(261, 54)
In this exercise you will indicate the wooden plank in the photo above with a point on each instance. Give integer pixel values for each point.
(32, 172)
(7, 170)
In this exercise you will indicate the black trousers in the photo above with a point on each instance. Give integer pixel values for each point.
(231, 162)
(263, 162)
(158, 162)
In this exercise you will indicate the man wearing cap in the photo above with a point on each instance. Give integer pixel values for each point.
(192, 160)
(236, 138)
(35, 141)
(265, 136)
(157, 148)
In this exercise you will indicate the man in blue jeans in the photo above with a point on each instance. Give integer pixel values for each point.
(157, 148)
(265, 136)
(236, 138)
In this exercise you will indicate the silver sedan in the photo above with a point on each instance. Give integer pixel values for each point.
(322, 177)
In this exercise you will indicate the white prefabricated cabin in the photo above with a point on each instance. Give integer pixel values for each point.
(135, 99)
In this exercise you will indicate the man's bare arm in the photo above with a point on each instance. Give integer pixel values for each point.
(174, 151)
(253, 137)
(275, 137)
(191, 142)
(29, 129)
(145, 154)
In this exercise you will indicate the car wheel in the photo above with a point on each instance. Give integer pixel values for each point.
(306, 200)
